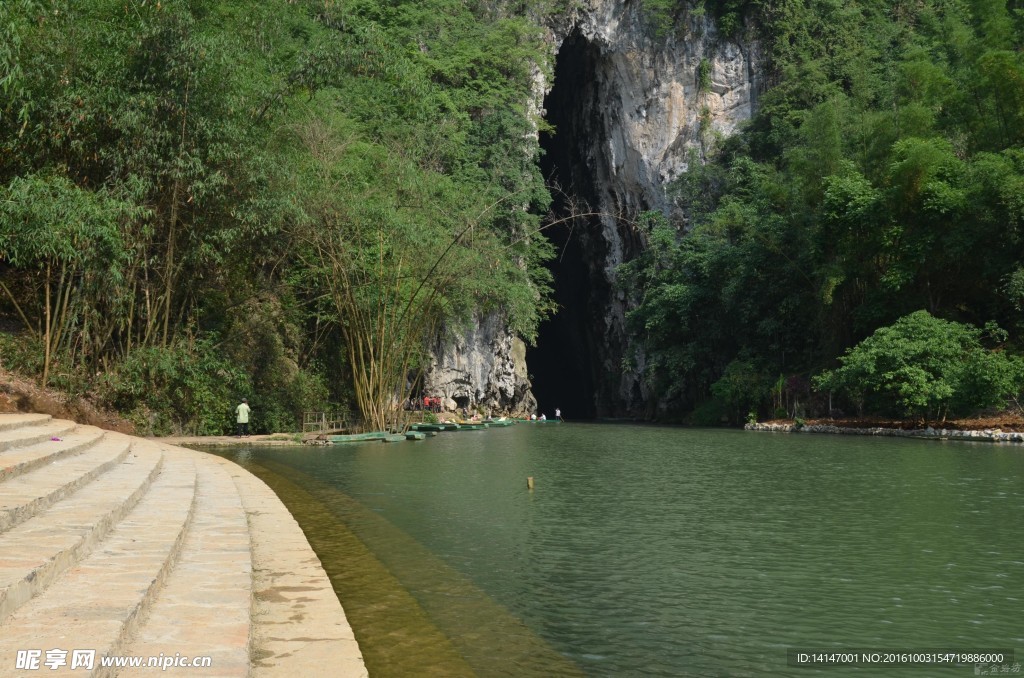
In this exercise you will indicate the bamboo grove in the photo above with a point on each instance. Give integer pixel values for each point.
(202, 200)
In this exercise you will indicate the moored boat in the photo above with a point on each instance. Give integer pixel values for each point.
(359, 437)
(423, 426)
(426, 427)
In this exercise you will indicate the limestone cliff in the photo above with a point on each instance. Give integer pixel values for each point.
(631, 109)
(637, 109)
(482, 366)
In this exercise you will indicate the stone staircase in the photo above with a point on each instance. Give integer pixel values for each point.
(136, 549)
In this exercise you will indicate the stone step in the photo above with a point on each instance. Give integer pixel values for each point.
(10, 421)
(98, 603)
(24, 436)
(299, 626)
(203, 610)
(24, 459)
(30, 493)
(37, 551)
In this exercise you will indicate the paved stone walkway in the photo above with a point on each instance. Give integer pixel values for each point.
(135, 548)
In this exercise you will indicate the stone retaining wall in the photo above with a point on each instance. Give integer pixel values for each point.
(985, 436)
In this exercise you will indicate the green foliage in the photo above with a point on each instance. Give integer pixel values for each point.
(266, 343)
(924, 366)
(881, 173)
(21, 353)
(666, 15)
(704, 75)
(707, 414)
(741, 388)
(48, 220)
(189, 387)
(158, 181)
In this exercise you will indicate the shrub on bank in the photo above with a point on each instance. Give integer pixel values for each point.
(925, 366)
(187, 387)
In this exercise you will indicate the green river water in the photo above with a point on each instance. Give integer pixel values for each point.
(647, 551)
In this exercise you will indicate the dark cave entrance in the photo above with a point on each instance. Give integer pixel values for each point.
(564, 364)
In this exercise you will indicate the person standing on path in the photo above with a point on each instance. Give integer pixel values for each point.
(242, 418)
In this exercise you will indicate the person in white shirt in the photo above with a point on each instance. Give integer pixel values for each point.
(242, 419)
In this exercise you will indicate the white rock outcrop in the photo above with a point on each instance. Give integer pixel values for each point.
(483, 366)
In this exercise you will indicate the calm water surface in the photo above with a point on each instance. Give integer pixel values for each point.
(649, 551)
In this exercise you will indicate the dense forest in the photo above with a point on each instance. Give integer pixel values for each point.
(206, 199)
(881, 177)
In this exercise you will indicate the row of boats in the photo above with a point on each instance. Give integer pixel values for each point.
(478, 425)
(419, 431)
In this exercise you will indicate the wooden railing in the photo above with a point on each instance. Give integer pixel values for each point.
(322, 422)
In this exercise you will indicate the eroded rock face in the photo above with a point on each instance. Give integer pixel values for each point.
(632, 109)
(649, 104)
(483, 366)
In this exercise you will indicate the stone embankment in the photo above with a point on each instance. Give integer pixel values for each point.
(119, 547)
(985, 435)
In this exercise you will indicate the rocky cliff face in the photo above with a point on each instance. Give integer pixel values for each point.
(645, 104)
(632, 109)
(483, 366)
(636, 110)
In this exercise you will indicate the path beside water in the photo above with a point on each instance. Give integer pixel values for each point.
(125, 547)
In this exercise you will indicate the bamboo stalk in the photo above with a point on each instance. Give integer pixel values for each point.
(21, 313)
(46, 341)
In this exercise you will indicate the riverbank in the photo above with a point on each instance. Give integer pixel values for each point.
(156, 550)
(990, 435)
(232, 441)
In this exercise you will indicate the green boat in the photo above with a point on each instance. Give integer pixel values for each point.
(433, 427)
(359, 437)
(499, 422)
(396, 438)
(426, 427)
(412, 435)
(472, 427)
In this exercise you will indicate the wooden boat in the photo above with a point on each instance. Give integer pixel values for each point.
(499, 422)
(396, 438)
(472, 427)
(413, 435)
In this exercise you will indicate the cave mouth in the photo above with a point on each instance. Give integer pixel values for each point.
(562, 364)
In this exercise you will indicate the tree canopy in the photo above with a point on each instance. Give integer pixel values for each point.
(297, 195)
(173, 174)
(882, 173)
(927, 367)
